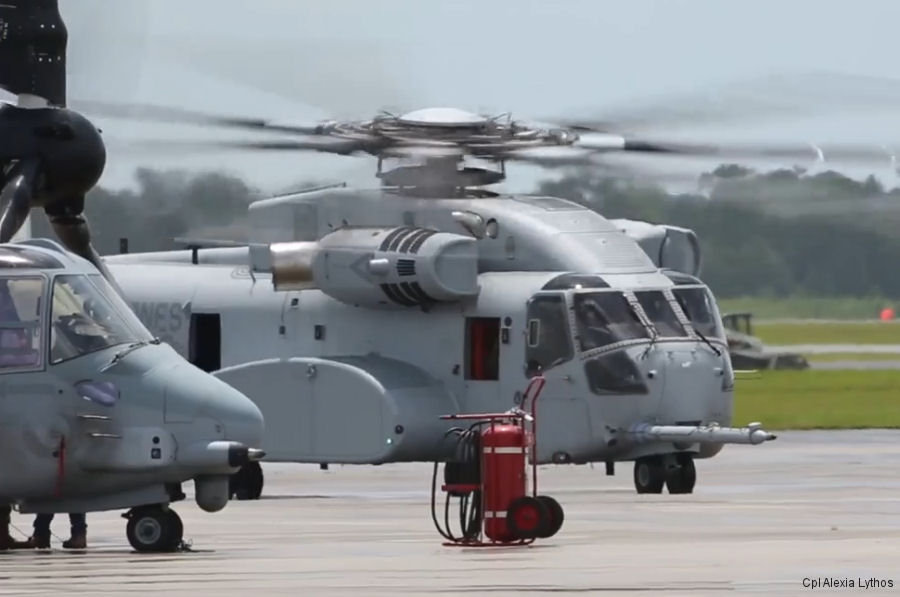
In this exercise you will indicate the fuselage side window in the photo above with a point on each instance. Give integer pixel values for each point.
(20, 323)
(548, 337)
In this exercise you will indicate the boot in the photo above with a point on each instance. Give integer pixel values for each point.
(6, 540)
(77, 541)
(39, 541)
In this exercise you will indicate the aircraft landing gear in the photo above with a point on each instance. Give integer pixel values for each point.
(247, 483)
(154, 529)
(674, 471)
(681, 475)
(649, 474)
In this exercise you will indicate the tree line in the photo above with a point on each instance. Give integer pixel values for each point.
(776, 234)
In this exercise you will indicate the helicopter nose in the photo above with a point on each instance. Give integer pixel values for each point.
(241, 418)
(193, 394)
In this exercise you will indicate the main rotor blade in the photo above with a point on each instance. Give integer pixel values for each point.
(15, 200)
(151, 112)
(785, 95)
(588, 150)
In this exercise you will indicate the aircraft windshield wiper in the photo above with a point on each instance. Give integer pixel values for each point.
(127, 350)
(654, 335)
(684, 308)
(708, 343)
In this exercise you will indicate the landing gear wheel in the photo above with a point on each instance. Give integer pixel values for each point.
(649, 474)
(176, 531)
(153, 529)
(527, 518)
(247, 483)
(682, 477)
(556, 515)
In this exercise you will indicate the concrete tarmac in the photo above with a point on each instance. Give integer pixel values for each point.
(810, 505)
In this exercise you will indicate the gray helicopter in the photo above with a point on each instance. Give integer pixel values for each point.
(95, 412)
(356, 318)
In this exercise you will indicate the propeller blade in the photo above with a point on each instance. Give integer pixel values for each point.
(151, 112)
(15, 201)
(335, 145)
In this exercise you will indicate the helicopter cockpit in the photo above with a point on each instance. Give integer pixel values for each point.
(581, 314)
(79, 313)
(87, 315)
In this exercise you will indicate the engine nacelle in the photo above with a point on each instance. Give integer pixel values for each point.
(404, 266)
(670, 247)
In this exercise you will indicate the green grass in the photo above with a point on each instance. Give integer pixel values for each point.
(830, 357)
(819, 399)
(876, 332)
(808, 307)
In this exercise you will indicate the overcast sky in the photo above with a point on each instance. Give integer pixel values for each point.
(304, 60)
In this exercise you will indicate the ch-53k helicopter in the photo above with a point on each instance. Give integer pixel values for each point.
(355, 318)
(95, 413)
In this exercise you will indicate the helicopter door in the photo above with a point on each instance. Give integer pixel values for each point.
(205, 344)
(482, 359)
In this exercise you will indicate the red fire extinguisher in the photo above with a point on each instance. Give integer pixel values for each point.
(503, 472)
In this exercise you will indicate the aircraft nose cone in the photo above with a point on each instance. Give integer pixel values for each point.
(194, 394)
(242, 419)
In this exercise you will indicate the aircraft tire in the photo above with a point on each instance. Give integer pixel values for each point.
(153, 529)
(247, 483)
(176, 531)
(682, 478)
(649, 474)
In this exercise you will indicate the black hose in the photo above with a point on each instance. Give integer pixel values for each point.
(467, 452)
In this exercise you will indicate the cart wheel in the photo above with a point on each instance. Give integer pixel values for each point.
(556, 515)
(527, 518)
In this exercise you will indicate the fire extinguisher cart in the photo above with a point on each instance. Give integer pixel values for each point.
(489, 476)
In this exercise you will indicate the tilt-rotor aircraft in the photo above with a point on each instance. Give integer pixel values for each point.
(95, 412)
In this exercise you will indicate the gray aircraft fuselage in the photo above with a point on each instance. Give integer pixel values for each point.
(94, 413)
(357, 363)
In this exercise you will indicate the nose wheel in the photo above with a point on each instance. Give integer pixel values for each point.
(247, 483)
(154, 529)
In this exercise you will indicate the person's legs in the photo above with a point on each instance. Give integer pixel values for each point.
(78, 540)
(6, 540)
(41, 536)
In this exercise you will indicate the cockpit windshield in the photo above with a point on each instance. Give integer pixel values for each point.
(604, 318)
(20, 322)
(660, 313)
(698, 307)
(87, 316)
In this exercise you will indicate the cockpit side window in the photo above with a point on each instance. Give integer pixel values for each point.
(84, 320)
(605, 318)
(660, 313)
(698, 306)
(547, 338)
(20, 323)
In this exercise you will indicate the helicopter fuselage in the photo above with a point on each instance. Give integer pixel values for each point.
(355, 321)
